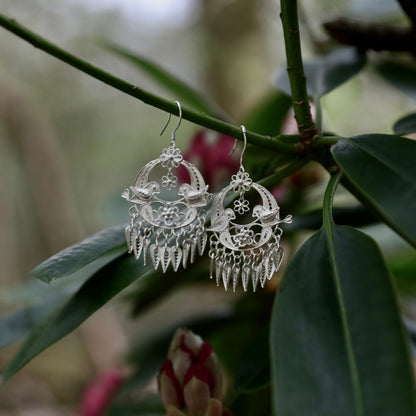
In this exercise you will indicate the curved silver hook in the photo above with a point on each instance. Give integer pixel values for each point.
(243, 129)
(172, 137)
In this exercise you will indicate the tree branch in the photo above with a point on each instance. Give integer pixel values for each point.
(372, 36)
(280, 143)
(297, 79)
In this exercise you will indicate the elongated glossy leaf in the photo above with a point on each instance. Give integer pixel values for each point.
(327, 72)
(405, 125)
(32, 301)
(164, 78)
(79, 255)
(98, 290)
(338, 345)
(253, 372)
(381, 170)
(14, 326)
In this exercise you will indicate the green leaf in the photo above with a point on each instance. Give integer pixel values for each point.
(327, 72)
(14, 326)
(337, 341)
(405, 125)
(32, 301)
(253, 371)
(79, 255)
(99, 289)
(181, 90)
(381, 172)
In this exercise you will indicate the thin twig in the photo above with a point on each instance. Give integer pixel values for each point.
(276, 143)
(277, 177)
(297, 79)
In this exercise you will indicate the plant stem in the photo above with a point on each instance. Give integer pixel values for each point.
(326, 140)
(283, 173)
(297, 79)
(276, 143)
(327, 219)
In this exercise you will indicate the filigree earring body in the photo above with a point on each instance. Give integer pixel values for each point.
(242, 248)
(167, 219)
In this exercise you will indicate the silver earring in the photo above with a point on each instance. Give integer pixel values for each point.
(167, 219)
(250, 249)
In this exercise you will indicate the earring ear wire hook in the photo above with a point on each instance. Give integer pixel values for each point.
(172, 137)
(243, 129)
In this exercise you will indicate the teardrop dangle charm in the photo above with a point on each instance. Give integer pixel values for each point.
(253, 243)
(167, 219)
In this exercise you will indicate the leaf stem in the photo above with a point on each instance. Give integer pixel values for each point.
(327, 140)
(327, 219)
(283, 173)
(279, 143)
(297, 79)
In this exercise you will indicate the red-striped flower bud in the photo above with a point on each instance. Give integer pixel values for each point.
(190, 382)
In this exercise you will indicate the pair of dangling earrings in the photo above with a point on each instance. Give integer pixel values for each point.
(167, 221)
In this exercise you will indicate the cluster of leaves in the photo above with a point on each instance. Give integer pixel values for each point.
(331, 339)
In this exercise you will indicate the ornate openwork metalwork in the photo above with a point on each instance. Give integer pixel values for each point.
(169, 230)
(247, 250)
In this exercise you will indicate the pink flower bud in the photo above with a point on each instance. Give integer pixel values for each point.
(210, 152)
(196, 394)
(215, 409)
(99, 394)
(169, 388)
(190, 379)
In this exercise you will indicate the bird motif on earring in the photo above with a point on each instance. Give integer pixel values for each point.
(241, 251)
(167, 222)
(194, 197)
(141, 194)
(221, 222)
(270, 217)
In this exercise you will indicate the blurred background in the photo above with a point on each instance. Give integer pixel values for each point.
(69, 144)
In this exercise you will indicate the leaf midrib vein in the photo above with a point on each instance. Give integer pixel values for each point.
(350, 350)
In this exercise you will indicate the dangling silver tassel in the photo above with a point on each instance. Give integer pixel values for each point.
(172, 231)
(247, 251)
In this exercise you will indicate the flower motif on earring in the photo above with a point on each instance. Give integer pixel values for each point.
(171, 158)
(241, 181)
(169, 228)
(247, 249)
(241, 206)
